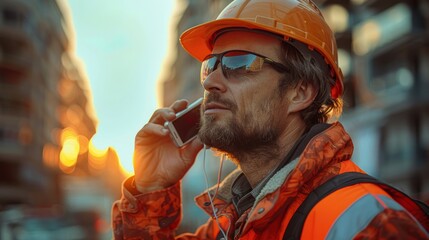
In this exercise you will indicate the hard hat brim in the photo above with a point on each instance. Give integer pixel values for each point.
(198, 41)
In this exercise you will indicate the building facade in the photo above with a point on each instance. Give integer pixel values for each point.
(384, 46)
(53, 181)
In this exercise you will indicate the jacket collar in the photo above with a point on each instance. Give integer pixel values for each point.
(330, 146)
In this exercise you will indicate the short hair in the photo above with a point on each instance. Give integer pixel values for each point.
(324, 107)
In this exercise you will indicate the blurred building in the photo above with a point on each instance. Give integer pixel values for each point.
(384, 55)
(53, 181)
(384, 52)
(182, 79)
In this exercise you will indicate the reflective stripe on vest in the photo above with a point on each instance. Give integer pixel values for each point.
(359, 215)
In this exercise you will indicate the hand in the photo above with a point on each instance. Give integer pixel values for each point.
(158, 162)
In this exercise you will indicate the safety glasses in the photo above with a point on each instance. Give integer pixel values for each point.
(236, 63)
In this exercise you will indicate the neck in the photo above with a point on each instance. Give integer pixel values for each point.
(256, 165)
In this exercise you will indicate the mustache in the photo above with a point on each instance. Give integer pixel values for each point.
(215, 97)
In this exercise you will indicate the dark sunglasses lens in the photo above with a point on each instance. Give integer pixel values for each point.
(207, 67)
(236, 63)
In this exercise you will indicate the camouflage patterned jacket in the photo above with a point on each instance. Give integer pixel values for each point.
(361, 211)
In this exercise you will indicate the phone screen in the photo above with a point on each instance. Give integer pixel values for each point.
(188, 124)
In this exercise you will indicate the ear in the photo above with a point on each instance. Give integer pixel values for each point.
(301, 96)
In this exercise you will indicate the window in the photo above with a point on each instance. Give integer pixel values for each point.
(398, 144)
(13, 16)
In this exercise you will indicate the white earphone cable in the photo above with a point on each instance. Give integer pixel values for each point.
(217, 188)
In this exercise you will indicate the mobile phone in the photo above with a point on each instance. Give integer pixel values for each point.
(186, 125)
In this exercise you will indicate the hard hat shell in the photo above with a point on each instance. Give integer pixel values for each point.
(300, 20)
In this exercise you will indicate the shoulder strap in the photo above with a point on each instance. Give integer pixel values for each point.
(294, 228)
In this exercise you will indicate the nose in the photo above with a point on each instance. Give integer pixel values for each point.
(215, 81)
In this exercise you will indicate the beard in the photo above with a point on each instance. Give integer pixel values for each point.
(249, 133)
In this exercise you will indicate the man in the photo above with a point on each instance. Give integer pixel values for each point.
(271, 81)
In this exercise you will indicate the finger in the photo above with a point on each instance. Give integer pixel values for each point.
(152, 129)
(161, 115)
(179, 105)
(168, 114)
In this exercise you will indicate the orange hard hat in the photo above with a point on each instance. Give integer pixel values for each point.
(298, 20)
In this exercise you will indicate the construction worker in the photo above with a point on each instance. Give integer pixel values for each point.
(272, 86)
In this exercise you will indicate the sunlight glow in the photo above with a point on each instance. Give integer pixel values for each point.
(67, 133)
(124, 171)
(69, 151)
(96, 157)
(123, 52)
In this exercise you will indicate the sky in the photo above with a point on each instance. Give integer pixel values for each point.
(122, 45)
